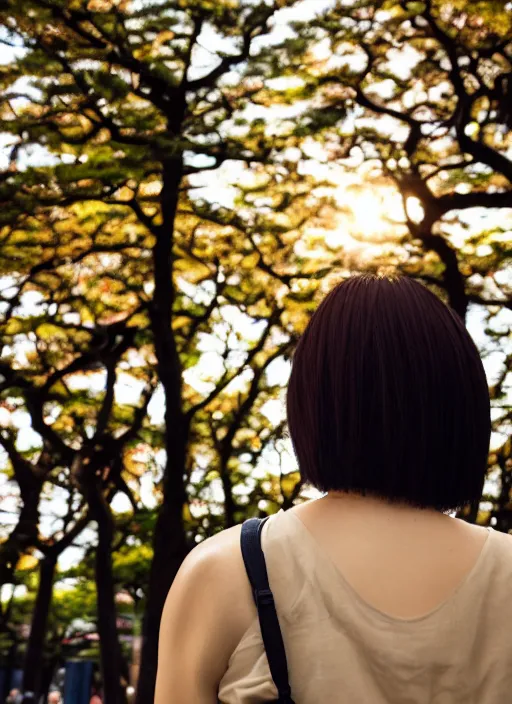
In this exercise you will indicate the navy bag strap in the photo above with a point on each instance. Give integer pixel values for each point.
(272, 637)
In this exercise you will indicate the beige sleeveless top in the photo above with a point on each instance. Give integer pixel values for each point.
(342, 649)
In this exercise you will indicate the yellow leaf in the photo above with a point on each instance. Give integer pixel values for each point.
(186, 514)
(256, 443)
(180, 322)
(250, 261)
(27, 562)
(289, 482)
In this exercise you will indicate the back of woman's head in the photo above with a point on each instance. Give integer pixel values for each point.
(388, 396)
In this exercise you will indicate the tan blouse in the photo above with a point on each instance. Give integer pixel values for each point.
(342, 649)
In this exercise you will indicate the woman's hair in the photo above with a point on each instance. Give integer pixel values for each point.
(388, 397)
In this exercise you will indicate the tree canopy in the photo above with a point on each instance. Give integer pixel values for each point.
(183, 181)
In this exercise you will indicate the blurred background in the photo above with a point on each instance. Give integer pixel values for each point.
(181, 182)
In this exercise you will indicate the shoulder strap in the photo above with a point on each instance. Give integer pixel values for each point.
(256, 568)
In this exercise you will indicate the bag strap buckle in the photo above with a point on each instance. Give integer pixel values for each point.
(263, 596)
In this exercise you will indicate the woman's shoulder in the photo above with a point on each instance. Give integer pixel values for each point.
(502, 542)
(220, 555)
(212, 584)
(213, 576)
(208, 608)
(215, 554)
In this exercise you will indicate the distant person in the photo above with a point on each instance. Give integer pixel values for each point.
(14, 697)
(54, 697)
(95, 697)
(382, 597)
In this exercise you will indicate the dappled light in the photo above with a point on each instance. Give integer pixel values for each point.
(181, 183)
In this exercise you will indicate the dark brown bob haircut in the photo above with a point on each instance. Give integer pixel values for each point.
(388, 397)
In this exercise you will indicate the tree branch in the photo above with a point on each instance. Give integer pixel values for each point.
(228, 62)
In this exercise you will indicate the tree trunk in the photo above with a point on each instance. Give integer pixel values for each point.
(24, 534)
(34, 660)
(169, 543)
(47, 677)
(229, 502)
(110, 651)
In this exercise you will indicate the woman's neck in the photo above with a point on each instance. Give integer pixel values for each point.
(378, 508)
